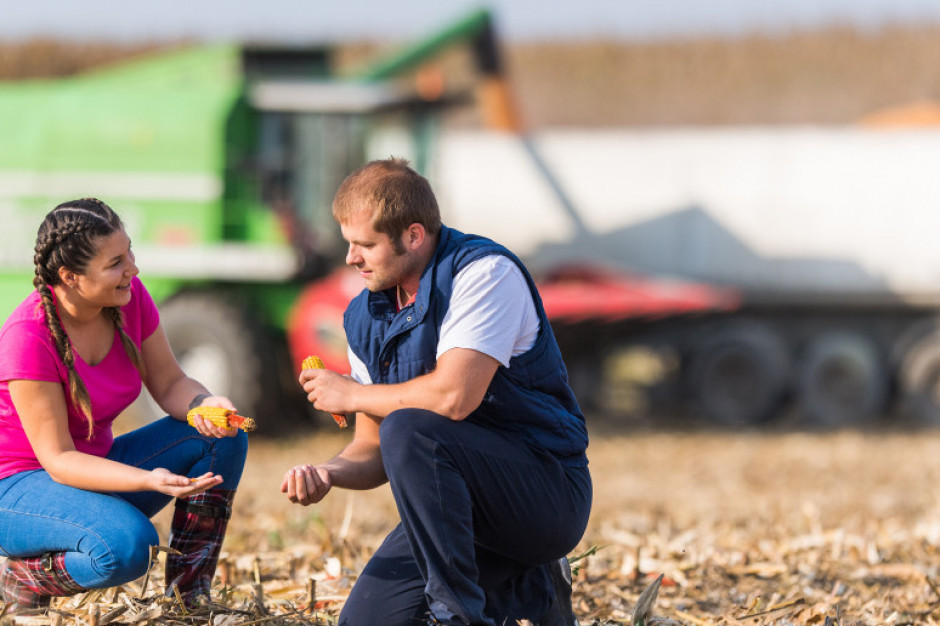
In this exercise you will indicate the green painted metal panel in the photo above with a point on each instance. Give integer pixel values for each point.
(162, 114)
(13, 289)
(272, 302)
(172, 144)
(464, 29)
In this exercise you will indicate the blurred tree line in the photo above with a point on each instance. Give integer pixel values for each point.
(829, 76)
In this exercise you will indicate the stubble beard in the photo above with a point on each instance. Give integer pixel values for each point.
(381, 282)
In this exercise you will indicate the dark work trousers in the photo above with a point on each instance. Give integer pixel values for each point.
(482, 514)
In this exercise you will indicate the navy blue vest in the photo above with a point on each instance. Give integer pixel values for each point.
(531, 397)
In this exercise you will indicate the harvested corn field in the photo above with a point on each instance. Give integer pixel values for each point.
(748, 529)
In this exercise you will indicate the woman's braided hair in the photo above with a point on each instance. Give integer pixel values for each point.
(68, 237)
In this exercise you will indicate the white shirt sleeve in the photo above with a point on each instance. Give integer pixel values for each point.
(491, 311)
(357, 369)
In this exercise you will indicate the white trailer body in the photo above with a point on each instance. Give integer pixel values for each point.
(769, 210)
(829, 235)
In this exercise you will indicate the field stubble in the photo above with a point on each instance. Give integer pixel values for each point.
(747, 528)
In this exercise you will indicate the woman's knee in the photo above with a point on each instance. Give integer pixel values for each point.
(120, 550)
(230, 454)
(235, 447)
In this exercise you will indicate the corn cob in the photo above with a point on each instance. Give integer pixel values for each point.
(226, 418)
(313, 362)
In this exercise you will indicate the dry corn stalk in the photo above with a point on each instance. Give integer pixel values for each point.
(313, 362)
(226, 418)
(643, 610)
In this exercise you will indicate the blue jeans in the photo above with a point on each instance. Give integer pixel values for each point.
(106, 537)
(482, 514)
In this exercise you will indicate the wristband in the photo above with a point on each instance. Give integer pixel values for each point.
(196, 401)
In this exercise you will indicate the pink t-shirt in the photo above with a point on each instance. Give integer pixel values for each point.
(27, 352)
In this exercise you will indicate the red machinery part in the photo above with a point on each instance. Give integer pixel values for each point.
(587, 293)
(315, 323)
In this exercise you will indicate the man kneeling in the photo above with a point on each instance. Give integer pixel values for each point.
(462, 404)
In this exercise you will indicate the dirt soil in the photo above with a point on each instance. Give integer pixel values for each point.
(747, 528)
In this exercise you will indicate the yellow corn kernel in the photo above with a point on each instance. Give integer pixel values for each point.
(225, 418)
(313, 362)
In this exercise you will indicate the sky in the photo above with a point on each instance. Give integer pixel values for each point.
(332, 20)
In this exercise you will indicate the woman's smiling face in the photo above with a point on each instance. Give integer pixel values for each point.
(107, 278)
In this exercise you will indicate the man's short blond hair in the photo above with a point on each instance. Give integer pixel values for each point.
(396, 195)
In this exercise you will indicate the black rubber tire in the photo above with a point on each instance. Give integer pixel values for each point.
(218, 341)
(919, 380)
(739, 374)
(842, 380)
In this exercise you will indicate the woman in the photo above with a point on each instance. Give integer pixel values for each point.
(74, 500)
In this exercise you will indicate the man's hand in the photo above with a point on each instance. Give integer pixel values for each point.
(454, 388)
(306, 484)
(329, 391)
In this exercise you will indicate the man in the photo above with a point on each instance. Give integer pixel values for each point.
(462, 405)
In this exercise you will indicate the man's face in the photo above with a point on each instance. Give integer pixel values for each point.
(373, 253)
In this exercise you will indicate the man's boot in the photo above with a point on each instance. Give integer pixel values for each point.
(197, 531)
(31, 583)
(561, 613)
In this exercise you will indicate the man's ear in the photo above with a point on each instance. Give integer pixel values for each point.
(414, 236)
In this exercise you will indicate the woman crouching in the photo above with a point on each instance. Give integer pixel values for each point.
(75, 501)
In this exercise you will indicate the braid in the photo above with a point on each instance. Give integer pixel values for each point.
(117, 318)
(68, 243)
(67, 238)
(77, 391)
